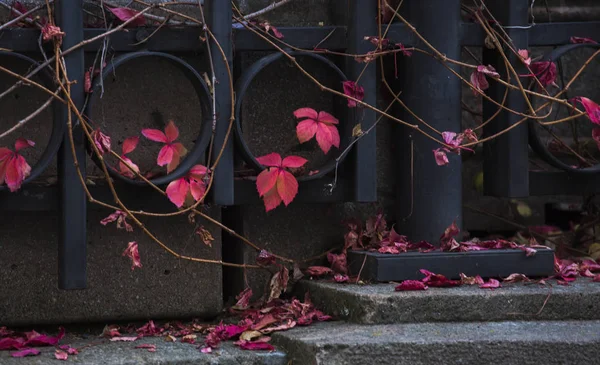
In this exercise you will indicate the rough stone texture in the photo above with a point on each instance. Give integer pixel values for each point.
(379, 303)
(449, 343)
(124, 353)
(164, 287)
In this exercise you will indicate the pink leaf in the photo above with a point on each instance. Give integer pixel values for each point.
(389, 249)
(591, 109)
(125, 171)
(124, 14)
(87, 81)
(276, 32)
(318, 271)
(524, 54)
(440, 157)
(132, 252)
(287, 187)
(61, 355)
(576, 40)
(243, 299)
(36, 339)
(306, 113)
(327, 118)
(17, 169)
(596, 136)
(545, 71)
(270, 160)
(325, 138)
(149, 347)
(171, 132)
(515, 278)
(470, 280)
(306, 129)
(165, 155)
(70, 350)
(22, 143)
(198, 172)
(411, 285)
(272, 199)
(293, 162)
(339, 262)
(339, 278)
(491, 284)
(266, 180)
(438, 280)
(177, 191)
(26, 352)
(198, 189)
(596, 278)
(479, 82)
(353, 90)
(155, 135)
(256, 346)
(488, 71)
(50, 32)
(265, 258)
(129, 145)
(102, 141)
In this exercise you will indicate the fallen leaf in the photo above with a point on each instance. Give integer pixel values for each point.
(61, 355)
(26, 352)
(407, 285)
(491, 284)
(149, 347)
(250, 335)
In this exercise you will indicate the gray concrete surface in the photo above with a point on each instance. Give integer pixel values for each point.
(379, 303)
(101, 352)
(448, 343)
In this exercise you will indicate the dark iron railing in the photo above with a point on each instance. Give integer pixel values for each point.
(434, 95)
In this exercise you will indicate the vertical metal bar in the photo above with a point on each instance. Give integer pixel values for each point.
(429, 197)
(506, 158)
(72, 245)
(218, 14)
(362, 21)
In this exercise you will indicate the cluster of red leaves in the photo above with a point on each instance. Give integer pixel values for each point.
(440, 281)
(13, 167)
(25, 342)
(250, 332)
(568, 270)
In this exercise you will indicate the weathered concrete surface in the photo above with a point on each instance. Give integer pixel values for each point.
(379, 303)
(124, 353)
(448, 343)
(165, 287)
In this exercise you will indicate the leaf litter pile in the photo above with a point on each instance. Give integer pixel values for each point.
(375, 236)
(249, 326)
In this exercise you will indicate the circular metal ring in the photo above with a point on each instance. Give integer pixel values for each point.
(197, 152)
(58, 125)
(534, 138)
(241, 88)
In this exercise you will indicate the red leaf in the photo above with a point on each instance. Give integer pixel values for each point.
(243, 299)
(125, 171)
(339, 263)
(440, 157)
(389, 249)
(411, 285)
(171, 132)
(596, 136)
(479, 81)
(165, 155)
(256, 346)
(129, 145)
(438, 280)
(154, 135)
(545, 71)
(264, 322)
(124, 14)
(488, 71)
(470, 280)
(265, 258)
(178, 151)
(276, 32)
(197, 188)
(271, 199)
(515, 278)
(266, 180)
(339, 278)
(36, 339)
(353, 90)
(10, 343)
(22, 143)
(149, 347)
(70, 350)
(491, 284)
(26, 352)
(318, 271)
(270, 160)
(327, 136)
(327, 118)
(278, 284)
(576, 40)
(524, 54)
(592, 109)
(87, 81)
(132, 252)
(287, 187)
(102, 141)
(293, 162)
(50, 32)
(306, 130)
(121, 219)
(177, 191)
(596, 278)
(61, 355)
(306, 113)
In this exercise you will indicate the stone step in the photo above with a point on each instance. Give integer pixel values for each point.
(95, 351)
(541, 342)
(380, 304)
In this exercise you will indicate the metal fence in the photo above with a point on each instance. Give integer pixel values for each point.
(434, 96)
